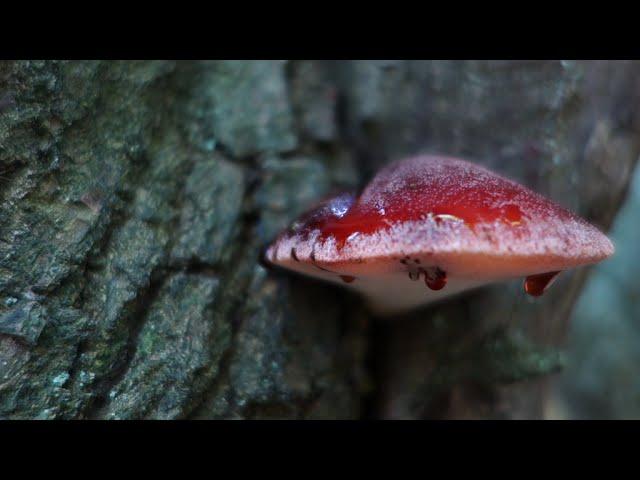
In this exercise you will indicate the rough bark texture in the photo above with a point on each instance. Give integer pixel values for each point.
(136, 197)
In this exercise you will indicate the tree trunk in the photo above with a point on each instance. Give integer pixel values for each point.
(136, 198)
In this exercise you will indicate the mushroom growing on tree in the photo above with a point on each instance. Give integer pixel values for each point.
(428, 227)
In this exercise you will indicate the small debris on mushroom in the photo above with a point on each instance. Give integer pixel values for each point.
(453, 223)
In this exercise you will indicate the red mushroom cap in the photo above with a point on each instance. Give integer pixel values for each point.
(457, 224)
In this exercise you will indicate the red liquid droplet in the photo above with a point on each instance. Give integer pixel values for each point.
(435, 278)
(536, 285)
(511, 214)
(347, 278)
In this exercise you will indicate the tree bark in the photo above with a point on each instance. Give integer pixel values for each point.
(136, 198)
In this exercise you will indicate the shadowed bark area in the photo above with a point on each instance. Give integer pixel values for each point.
(136, 198)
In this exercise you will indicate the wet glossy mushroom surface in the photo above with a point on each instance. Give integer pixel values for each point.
(428, 227)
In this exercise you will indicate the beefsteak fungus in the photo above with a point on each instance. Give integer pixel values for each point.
(429, 227)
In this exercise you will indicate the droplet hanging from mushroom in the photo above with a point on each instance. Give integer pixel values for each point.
(536, 285)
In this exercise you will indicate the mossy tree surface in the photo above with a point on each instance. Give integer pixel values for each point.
(136, 196)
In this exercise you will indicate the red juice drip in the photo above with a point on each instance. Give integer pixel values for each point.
(347, 278)
(536, 285)
(435, 278)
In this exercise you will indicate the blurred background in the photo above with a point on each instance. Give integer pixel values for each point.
(602, 378)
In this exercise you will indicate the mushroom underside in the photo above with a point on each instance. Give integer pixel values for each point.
(395, 285)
